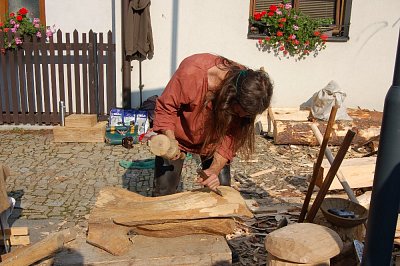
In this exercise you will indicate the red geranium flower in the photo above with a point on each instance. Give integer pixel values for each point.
(1, 24)
(317, 33)
(23, 11)
(273, 8)
(324, 37)
(12, 15)
(270, 14)
(279, 33)
(19, 18)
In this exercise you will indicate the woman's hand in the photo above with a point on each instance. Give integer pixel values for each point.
(212, 181)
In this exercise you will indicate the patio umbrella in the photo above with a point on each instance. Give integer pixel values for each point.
(138, 35)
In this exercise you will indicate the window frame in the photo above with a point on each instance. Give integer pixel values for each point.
(4, 10)
(340, 31)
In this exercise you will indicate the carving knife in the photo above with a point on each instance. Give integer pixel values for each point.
(204, 176)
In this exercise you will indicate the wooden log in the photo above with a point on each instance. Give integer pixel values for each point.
(163, 146)
(365, 123)
(274, 261)
(303, 243)
(121, 212)
(39, 250)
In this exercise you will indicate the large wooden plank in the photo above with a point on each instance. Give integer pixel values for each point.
(359, 172)
(194, 212)
(291, 127)
(148, 251)
(80, 134)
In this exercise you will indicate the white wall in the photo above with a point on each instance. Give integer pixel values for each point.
(363, 66)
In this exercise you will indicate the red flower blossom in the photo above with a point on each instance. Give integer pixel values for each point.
(281, 25)
(23, 11)
(282, 48)
(282, 20)
(1, 24)
(270, 14)
(6, 29)
(279, 33)
(19, 18)
(260, 41)
(12, 15)
(267, 38)
(257, 16)
(285, 52)
(324, 37)
(273, 8)
(317, 33)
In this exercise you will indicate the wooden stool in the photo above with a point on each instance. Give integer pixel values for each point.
(302, 244)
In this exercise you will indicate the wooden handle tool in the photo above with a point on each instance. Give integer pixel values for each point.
(203, 175)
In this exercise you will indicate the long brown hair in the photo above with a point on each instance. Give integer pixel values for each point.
(252, 90)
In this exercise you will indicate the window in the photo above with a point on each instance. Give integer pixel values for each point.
(337, 11)
(35, 7)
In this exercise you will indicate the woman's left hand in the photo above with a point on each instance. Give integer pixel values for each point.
(212, 181)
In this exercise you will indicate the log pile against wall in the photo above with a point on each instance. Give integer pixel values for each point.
(292, 126)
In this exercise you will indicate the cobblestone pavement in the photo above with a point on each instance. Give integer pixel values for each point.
(61, 180)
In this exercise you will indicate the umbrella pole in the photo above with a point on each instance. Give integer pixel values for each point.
(140, 83)
(126, 64)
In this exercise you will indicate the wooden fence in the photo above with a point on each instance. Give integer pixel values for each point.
(37, 76)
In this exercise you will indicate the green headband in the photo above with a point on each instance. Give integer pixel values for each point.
(241, 73)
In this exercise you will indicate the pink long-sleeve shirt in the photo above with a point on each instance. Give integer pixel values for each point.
(180, 107)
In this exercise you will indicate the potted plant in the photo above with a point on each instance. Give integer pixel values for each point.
(22, 28)
(287, 31)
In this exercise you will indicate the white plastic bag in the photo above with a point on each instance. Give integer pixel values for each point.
(321, 102)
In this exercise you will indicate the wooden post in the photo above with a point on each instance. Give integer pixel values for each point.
(331, 174)
(339, 174)
(318, 163)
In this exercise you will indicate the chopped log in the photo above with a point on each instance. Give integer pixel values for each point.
(40, 250)
(123, 213)
(274, 261)
(303, 243)
(366, 124)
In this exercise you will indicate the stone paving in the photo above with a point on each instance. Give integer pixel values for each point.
(60, 181)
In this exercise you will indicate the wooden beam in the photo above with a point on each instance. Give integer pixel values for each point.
(329, 177)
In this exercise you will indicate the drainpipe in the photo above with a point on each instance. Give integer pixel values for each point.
(385, 199)
(126, 64)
